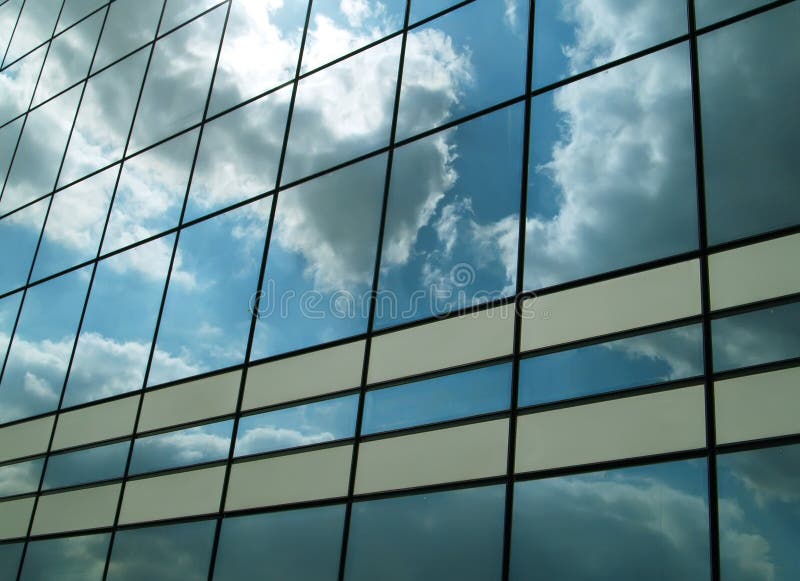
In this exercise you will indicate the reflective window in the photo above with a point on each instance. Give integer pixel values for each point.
(74, 10)
(18, 82)
(10, 554)
(206, 443)
(759, 508)
(9, 306)
(20, 478)
(751, 124)
(130, 24)
(424, 8)
(321, 260)
(448, 397)
(452, 219)
(324, 421)
(176, 87)
(178, 552)
(84, 466)
(614, 365)
(179, 11)
(278, 545)
(239, 154)
(117, 332)
(39, 352)
(611, 179)
(8, 19)
(20, 231)
(66, 558)
(35, 26)
(453, 535)
(756, 337)
(464, 61)
(9, 134)
(206, 318)
(710, 11)
(646, 522)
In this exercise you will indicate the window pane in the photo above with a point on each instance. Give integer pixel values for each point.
(759, 508)
(35, 26)
(74, 10)
(448, 397)
(8, 19)
(454, 535)
(9, 135)
(18, 82)
(756, 337)
(84, 466)
(312, 423)
(751, 124)
(179, 11)
(21, 232)
(9, 306)
(165, 553)
(206, 443)
(278, 545)
(423, 8)
(68, 559)
(130, 24)
(611, 178)
(615, 365)
(20, 478)
(710, 11)
(646, 522)
(10, 555)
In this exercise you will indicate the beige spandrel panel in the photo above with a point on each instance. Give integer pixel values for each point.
(630, 427)
(82, 509)
(434, 457)
(173, 495)
(99, 422)
(190, 402)
(25, 439)
(15, 515)
(299, 477)
(627, 302)
(756, 272)
(308, 375)
(758, 406)
(433, 346)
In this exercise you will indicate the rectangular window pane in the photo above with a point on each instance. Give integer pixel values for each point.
(66, 558)
(20, 478)
(85, 466)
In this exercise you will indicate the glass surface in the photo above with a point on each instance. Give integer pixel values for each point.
(17, 83)
(20, 231)
(646, 522)
(449, 397)
(611, 179)
(578, 35)
(66, 559)
(176, 86)
(177, 12)
(423, 8)
(40, 150)
(615, 365)
(130, 24)
(462, 62)
(10, 554)
(9, 307)
(178, 552)
(324, 421)
(104, 119)
(259, 52)
(751, 124)
(452, 221)
(9, 134)
(206, 443)
(206, 318)
(75, 223)
(20, 478)
(301, 545)
(321, 260)
(756, 337)
(8, 19)
(85, 466)
(35, 26)
(239, 154)
(453, 535)
(117, 332)
(343, 111)
(39, 352)
(759, 508)
(150, 192)
(710, 11)
(74, 10)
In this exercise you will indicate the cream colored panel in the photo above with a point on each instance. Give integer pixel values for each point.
(15, 515)
(446, 455)
(758, 406)
(656, 423)
(293, 478)
(442, 344)
(308, 375)
(25, 439)
(172, 496)
(756, 272)
(98, 422)
(645, 298)
(86, 508)
(190, 402)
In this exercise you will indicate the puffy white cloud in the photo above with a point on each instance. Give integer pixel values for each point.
(273, 438)
(19, 478)
(679, 349)
(187, 446)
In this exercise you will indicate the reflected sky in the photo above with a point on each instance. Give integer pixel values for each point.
(20, 231)
(179, 11)
(710, 11)
(17, 83)
(8, 19)
(423, 8)
(85, 466)
(9, 306)
(10, 555)
(20, 478)
(130, 24)
(206, 443)
(8, 141)
(74, 10)
(69, 558)
(35, 25)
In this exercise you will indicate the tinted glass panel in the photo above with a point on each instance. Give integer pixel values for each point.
(179, 11)
(67, 559)
(182, 447)
(312, 423)
(709, 11)
(454, 535)
(423, 8)
(35, 26)
(611, 178)
(9, 306)
(84, 466)
(74, 10)
(10, 555)
(20, 478)
(129, 25)
(8, 19)
(9, 134)
(18, 82)
(647, 522)
(278, 545)
(21, 232)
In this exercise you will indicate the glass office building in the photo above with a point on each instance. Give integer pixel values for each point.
(388, 290)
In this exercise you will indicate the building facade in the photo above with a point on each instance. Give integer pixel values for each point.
(388, 290)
